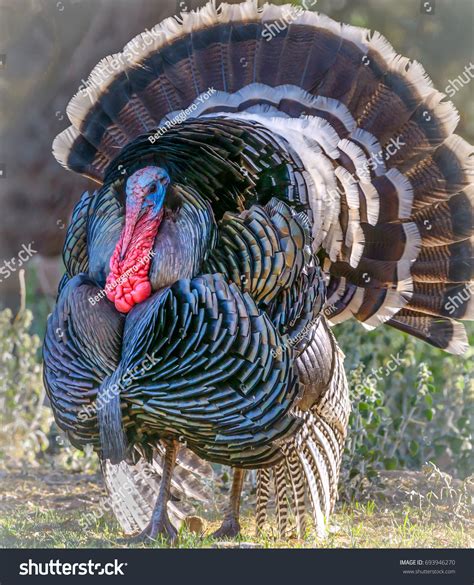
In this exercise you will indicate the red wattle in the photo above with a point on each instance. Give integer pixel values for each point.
(128, 283)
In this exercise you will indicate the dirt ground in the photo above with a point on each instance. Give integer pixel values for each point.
(46, 508)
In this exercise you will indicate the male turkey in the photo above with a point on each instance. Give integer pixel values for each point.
(255, 188)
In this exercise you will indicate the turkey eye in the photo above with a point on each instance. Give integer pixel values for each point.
(153, 188)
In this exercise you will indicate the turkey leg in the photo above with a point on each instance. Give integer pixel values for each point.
(230, 526)
(160, 522)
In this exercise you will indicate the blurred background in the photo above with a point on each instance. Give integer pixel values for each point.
(418, 413)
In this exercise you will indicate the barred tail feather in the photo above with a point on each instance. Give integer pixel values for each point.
(281, 496)
(133, 488)
(297, 481)
(315, 490)
(132, 491)
(312, 459)
(263, 496)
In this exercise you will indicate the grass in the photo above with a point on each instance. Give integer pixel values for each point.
(40, 509)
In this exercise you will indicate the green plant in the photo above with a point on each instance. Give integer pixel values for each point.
(411, 404)
(24, 420)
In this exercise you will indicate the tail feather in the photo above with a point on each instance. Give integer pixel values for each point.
(134, 488)
(440, 332)
(443, 173)
(420, 265)
(314, 492)
(449, 263)
(297, 481)
(185, 483)
(443, 300)
(189, 461)
(447, 222)
(331, 456)
(281, 496)
(263, 496)
(313, 457)
(230, 47)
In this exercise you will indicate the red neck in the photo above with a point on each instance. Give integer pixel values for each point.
(128, 283)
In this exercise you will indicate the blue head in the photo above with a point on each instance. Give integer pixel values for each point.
(145, 189)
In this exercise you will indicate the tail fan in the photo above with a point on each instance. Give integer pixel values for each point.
(386, 179)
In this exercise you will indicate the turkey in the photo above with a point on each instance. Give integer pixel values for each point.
(255, 189)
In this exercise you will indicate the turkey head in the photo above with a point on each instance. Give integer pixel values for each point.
(159, 242)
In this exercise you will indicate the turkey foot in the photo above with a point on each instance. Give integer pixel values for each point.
(230, 527)
(160, 523)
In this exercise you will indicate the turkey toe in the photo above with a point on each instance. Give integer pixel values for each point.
(228, 529)
(161, 526)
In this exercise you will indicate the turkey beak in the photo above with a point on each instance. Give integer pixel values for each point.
(131, 218)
